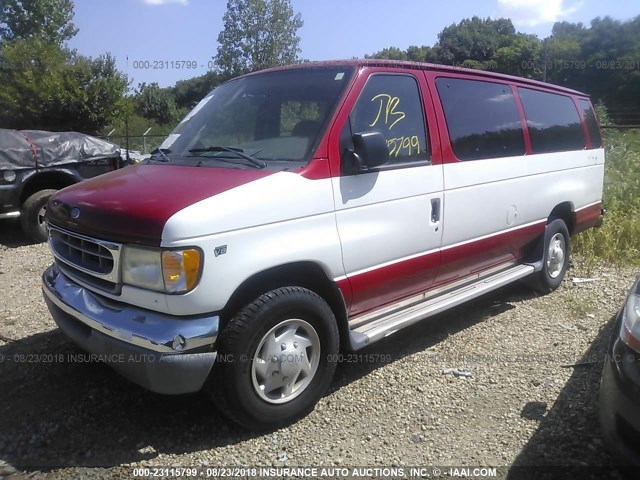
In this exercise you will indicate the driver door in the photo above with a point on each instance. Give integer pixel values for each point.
(389, 218)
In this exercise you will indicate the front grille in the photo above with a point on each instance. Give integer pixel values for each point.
(93, 261)
(82, 253)
(88, 280)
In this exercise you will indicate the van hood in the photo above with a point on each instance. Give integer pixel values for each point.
(133, 204)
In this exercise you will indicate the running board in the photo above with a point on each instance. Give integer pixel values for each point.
(387, 324)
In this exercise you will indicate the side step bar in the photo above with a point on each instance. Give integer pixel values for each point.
(378, 328)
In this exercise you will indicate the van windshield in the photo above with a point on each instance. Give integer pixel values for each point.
(267, 120)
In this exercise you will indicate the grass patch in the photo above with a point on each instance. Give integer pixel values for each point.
(580, 307)
(618, 240)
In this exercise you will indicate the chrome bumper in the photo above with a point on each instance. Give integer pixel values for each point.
(167, 354)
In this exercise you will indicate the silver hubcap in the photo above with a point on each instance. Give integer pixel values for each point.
(286, 361)
(41, 214)
(555, 255)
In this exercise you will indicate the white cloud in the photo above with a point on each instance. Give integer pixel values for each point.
(165, 2)
(536, 12)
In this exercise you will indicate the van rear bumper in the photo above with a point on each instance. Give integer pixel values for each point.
(163, 353)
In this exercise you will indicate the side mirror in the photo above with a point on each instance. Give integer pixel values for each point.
(369, 151)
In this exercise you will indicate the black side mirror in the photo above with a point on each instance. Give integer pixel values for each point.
(369, 151)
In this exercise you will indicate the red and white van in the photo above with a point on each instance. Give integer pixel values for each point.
(303, 210)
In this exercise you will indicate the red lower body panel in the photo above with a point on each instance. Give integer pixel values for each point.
(375, 288)
(588, 217)
(475, 256)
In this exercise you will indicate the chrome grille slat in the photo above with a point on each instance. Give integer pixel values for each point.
(106, 256)
(87, 255)
(95, 258)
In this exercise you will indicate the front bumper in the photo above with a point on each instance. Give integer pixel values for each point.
(163, 353)
(620, 400)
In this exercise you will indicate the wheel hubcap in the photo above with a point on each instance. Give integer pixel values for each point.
(556, 255)
(286, 361)
(41, 217)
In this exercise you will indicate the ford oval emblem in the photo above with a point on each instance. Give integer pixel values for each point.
(75, 213)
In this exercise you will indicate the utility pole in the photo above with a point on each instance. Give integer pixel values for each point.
(546, 55)
(126, 118)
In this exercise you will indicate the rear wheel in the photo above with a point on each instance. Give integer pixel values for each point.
(276, 359)
(555, 259)
(32, 215)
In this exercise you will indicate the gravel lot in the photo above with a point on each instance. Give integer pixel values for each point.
(522, 404)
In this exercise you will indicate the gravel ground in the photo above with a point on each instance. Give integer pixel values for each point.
(523, 403)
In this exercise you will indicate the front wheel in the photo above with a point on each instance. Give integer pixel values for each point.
(32, 215)
(276, 359)
(555, 258)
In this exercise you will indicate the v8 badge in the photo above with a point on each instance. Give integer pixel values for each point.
(221, 250)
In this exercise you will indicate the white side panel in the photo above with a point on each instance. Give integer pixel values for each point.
(276, 220)
(489, 196)
(475, 172)
(386, 215)
(252, 250)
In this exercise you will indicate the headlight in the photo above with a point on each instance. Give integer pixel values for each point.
(141, 267)
(630, 330)
(9, 175)
(170, 271)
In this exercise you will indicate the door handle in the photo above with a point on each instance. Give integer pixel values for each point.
(435, 210)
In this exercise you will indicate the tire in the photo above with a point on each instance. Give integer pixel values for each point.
(555, 258)
(286, 323)
(32, 215)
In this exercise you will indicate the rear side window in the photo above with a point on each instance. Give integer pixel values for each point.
(553, 121)
(391, 105)
(592, 123)
(482, 118)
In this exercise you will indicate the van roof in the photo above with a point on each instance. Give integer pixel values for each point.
(427, 66)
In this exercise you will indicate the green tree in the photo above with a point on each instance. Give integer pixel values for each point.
(520, 57)
(188, 93)
(258, 34)
(602, 60)
(474, 39)
(390, 53)
(93, 94)
(611, 50)
(421, 54)
(413, 53)
(51, 20)
(484, 44)
(30, 79)
(156, 103)
(44, 86)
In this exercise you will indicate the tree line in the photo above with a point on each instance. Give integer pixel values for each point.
(602, 59)
(46, 85)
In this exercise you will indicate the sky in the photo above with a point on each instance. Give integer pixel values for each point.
(157, 32)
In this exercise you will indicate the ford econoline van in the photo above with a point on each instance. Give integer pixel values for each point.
(298, 212)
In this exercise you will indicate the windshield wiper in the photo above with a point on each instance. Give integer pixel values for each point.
(161, 151)
(238, 151)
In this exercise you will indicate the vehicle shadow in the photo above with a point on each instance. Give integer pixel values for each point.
(430, 332)
(582, 454)
(11, 235)
(57, 409)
